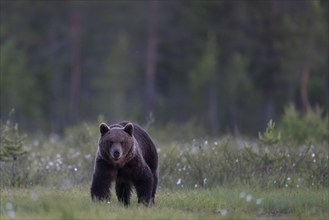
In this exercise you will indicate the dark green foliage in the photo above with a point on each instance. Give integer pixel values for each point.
(313, 126)
(269, 137)
(230, 66)
(11, 142)
(12, 154)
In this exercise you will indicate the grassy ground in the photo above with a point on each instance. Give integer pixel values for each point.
(215, 203)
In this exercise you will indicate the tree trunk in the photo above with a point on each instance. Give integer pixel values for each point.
(213, 109)
(303, 90)
(151, 57)
(56, 84)
(75, 36)
(233, 117)
(269, 106)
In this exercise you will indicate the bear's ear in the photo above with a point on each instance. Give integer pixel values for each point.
(129, 128)
(103, 128)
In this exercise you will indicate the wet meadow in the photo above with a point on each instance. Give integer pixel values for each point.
(228, 177)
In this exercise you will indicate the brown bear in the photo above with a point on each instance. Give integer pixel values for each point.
(127, 155)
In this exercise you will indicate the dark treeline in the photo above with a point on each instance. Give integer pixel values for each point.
(227, 65)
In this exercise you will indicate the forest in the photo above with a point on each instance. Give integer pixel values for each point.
(224, 66)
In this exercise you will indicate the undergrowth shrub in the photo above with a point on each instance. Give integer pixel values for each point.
(270, 162)
(67, 160)
(225, 163)
(313, 126)
(266, 163)
(13, 165)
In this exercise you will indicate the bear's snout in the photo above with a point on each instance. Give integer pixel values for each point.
(115, 153)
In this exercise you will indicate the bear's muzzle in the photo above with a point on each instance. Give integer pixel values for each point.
(116, 153)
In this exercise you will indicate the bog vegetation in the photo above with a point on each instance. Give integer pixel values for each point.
(192, 171)
(292, 154)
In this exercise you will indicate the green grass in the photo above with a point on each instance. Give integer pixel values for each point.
(75, 203)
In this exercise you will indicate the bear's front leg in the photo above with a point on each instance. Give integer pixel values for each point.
(144, 186)
(123, 191)
(101, 181)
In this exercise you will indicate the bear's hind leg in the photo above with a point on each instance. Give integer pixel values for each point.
(155, 184)
(123, 191)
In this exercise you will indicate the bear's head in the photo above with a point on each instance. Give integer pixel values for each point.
(116, 144)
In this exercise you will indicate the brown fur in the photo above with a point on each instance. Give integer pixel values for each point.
(126, 155)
